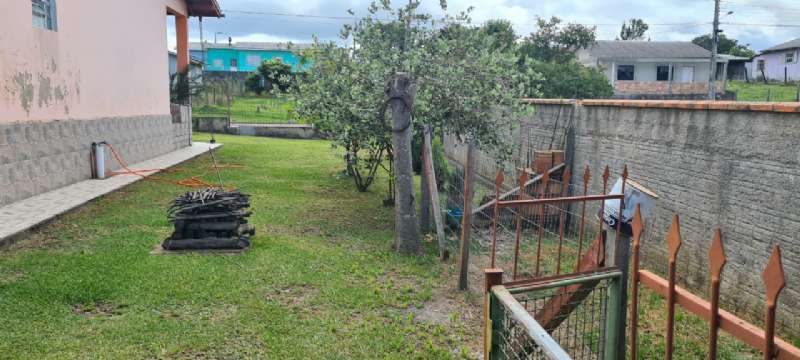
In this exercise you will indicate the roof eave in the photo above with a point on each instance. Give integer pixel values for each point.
(204, 8)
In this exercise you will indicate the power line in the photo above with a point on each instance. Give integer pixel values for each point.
(762, 25)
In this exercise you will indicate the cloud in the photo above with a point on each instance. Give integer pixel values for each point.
(249, 20)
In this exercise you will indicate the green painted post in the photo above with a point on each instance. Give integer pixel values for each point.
(612, 339)
(495, 319)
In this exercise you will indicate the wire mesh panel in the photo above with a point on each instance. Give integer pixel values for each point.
(575, 316)
(578, 313)
(515, 334)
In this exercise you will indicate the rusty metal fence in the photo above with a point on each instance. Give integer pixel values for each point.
(764, 339)
(578, 301)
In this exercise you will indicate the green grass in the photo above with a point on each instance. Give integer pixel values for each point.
(320, 280)
(252, 110)
(758, 91)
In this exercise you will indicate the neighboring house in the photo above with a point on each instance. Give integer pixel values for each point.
(779, 63)
(654, 68)
(195, 66)
(247, 56)
(738, 67)
(74, 72)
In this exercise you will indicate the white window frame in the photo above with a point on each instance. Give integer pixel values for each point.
(786, 57)
(44, 9)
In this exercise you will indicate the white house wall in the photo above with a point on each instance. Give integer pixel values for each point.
(646, 71)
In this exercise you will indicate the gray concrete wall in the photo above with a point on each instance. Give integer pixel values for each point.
(36, 157)
(735, 168)
(222, 125)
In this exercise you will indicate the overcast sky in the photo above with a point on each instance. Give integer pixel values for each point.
(760, 23)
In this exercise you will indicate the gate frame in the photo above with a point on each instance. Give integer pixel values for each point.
(495, 288)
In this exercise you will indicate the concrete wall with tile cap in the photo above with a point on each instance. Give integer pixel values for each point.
(730, 164)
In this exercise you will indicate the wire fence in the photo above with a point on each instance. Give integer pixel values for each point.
(550, 236)
(568, 317)
(245, 108)
(575, 316)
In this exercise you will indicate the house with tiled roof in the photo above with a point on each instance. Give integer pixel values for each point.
(654, 68)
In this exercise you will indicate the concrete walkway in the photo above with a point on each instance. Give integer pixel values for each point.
(26, 214)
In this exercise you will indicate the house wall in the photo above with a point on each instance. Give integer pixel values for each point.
(730, 164)
(774, 66)
(219, 59)
(67, 73)
(646, 71)
(98, 77)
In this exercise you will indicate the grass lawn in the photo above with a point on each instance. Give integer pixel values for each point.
(253, 110)
(319, 282)
(758, 91)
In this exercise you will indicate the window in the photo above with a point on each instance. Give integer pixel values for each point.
(625, 72)
(234, 63)
(253, 60)
(760, 65)
(662, 72)
(44, 14)
(789, 58)
(217, 63)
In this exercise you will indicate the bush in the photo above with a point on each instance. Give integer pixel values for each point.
(254, 83)
(272, 75)
(569, 80)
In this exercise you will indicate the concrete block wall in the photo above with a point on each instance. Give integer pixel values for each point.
(723, 164)
(36, 157)
(289, 131)
(663, 87)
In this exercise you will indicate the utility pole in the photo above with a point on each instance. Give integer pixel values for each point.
(712, 76)
(202, 45)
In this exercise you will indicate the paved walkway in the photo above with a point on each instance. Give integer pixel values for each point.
(26, 214)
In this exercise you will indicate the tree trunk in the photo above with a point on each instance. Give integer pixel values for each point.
(406, 233)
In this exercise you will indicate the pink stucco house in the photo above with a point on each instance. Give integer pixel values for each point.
(779, 63)
(74, 72)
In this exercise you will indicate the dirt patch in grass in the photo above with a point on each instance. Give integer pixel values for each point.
(14, 276)
(215, 313)
(98, 309)
(293, 295)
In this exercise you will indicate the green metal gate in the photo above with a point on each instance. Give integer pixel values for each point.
(572, 316)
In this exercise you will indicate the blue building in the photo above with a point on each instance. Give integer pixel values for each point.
(247, 56)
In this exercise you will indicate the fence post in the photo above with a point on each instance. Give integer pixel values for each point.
(622, 253)
(716, 261)
(611, 345)
(774, 282)
(433, 191)
(637, 227)
(674, 242)
(425, 191)
(466, 218)
(492, 277)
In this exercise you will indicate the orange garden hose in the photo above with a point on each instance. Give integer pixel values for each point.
(147, 174)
